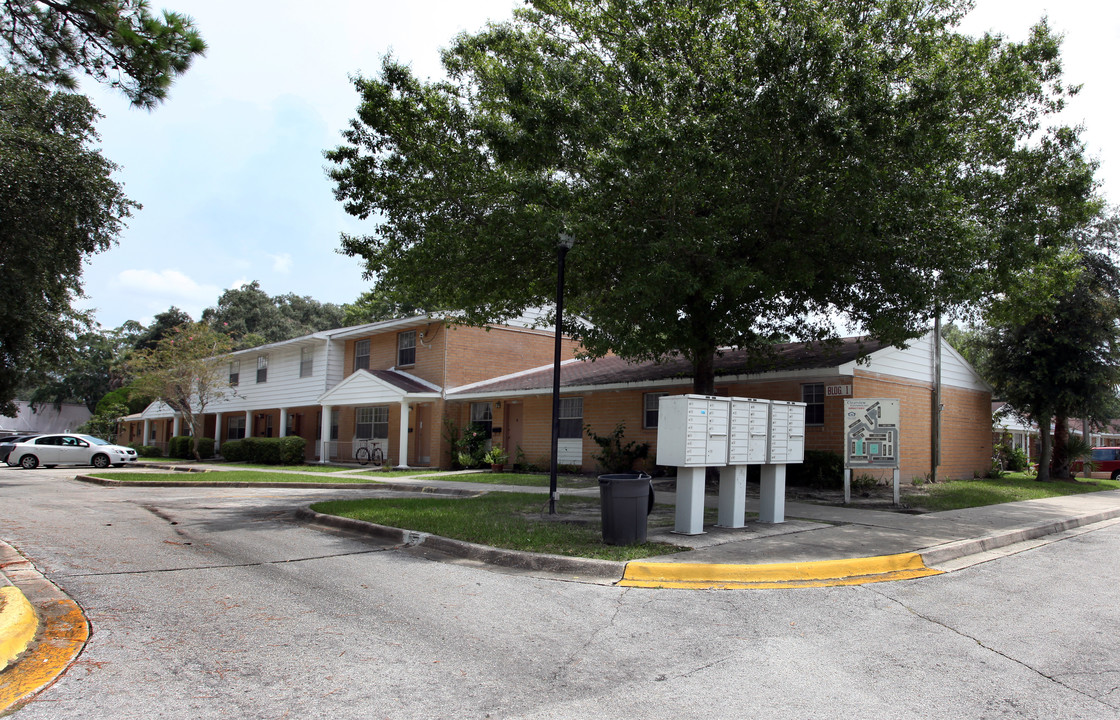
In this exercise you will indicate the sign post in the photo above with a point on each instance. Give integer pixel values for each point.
(872, 438)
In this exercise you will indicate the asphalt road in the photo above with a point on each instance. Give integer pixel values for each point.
(215, 603)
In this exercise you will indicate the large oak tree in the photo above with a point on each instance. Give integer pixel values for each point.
(733, 171)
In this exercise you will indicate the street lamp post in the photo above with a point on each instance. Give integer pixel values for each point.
(564, 244)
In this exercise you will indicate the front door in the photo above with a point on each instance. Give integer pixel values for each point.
(422, 433)
(513, 428)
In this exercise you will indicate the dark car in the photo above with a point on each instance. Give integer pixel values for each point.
(6, 444)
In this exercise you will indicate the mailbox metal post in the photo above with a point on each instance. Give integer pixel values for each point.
(690, 501)
(732, 496)
(772, 494)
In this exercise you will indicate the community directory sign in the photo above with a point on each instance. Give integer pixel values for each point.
(872, 433)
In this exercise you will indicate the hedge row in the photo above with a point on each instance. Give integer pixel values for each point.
(146, 451)
(181, 447)
(267, 451)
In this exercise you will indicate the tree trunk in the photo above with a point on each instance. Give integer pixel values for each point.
(704, 372)
(1059, 461)
(1043, 448)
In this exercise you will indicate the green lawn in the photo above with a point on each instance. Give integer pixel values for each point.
(515, 521)
(526, 479)
(230, 476)
(957, 494)
(313, 467)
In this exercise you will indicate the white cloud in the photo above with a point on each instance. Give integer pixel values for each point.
(281, 263)
(155, 291)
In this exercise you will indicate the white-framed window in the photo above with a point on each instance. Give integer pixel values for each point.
(650, 406)
(236, 428)
(262, 368)
(571, 418)
(406, 348)
(482, 414)
(812, 394)
(334, 424)
(371, 422)
(234, 371)
(361, 355)
(306, 361)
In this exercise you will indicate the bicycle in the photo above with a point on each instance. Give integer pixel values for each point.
(365, 455)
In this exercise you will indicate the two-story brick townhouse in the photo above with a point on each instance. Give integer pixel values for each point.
(605, 392)
(380, 384)
(341, 388)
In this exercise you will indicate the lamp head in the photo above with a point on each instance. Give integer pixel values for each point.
(566, 241)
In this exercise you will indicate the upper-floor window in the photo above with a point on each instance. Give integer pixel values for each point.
(406, 348)
(262, 368)
(306, 359)
(361, 355)
(234, 371)
(812, 394)
(651, 404)
(571, 418)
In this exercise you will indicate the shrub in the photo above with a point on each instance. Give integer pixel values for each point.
(266, 451)
(146, 450)
(822, 469)
(234, 450)
(180, 447)
(616, 457)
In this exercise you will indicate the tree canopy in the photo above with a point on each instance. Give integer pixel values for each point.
(58, 205)
(733, 171)
(119, 42)
(252, 317)
(1062, 360)
(186, 370)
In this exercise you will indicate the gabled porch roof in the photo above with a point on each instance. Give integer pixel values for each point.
(371, 387)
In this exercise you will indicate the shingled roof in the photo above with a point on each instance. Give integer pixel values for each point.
(730, 363)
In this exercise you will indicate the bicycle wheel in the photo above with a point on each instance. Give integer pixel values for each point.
(362, 456)
(378, 457)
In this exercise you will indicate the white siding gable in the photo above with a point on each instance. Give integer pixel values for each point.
(915, 362)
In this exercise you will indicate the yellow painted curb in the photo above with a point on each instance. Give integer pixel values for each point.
(18, 623)
(64, 633)
(821, 573)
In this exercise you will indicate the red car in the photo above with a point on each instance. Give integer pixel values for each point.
(1105, 460)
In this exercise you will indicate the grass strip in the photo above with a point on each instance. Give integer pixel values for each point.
(231, 476)
(959, 494)
(515, 521)
(526, 479)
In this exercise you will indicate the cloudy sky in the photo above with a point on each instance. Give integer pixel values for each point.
(230, 169)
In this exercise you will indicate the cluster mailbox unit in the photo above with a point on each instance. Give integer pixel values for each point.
(695, 432)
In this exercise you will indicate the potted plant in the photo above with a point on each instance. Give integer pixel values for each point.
(497, 458)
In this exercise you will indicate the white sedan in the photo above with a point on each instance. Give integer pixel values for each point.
(68, 449)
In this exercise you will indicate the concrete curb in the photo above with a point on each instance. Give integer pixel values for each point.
(62, 634)
(973, 546)
(579, 567)
(18, 623)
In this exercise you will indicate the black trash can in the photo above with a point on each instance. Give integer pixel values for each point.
(626, 500)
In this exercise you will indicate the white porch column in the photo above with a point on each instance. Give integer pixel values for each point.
(403, 462)
(325, 435)
(248, 423)
(147, 432)
(175, 425)
(283, 422)
(217, 432)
